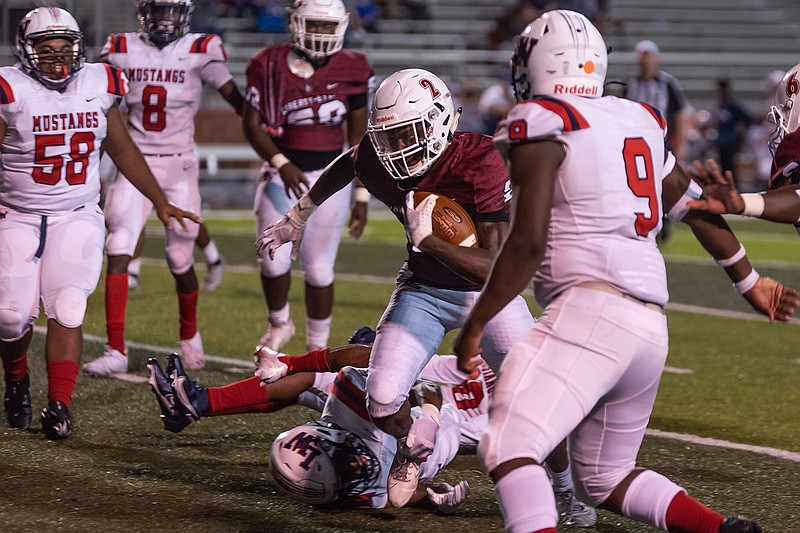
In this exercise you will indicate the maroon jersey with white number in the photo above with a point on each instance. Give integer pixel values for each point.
(470, 171)
(786, 164)
(306, 114)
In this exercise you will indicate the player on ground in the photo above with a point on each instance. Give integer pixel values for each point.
(167, 67)
(307, 99)
(589, 370)
(55, 113)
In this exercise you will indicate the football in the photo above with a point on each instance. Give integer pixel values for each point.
(450, 221)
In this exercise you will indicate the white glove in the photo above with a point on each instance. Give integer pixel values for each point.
(418, 219)
(290, 228)
(422, 435)
(446, 498)
(268, 367)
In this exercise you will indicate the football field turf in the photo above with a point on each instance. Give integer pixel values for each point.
(725, 424)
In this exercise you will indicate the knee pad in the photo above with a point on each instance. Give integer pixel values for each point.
(273, 268)
(121, 242)
(69, 307)
(180, 255)
(594, 485)
(14, 324)
(318, 274)
(383, 396)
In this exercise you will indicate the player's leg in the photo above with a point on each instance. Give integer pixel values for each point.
(135, 264)
(510, 325)
(271, 203)
(126, 211)
(571, 511)
(215, 262)
(71, 265)
(318, 255)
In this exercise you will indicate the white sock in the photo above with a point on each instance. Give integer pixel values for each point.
(134, 266)
(562, 480)
(317, 332)
(211, 253)
(279, 317)
(526, 500)
(648, 497)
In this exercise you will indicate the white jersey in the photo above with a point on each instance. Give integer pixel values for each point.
(608, 192)
(50, 161)
(166, 86)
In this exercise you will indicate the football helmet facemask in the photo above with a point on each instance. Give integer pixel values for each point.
(319, 463)
(318, 27)
(164, 20)
(560, 52)
(56, 68)
(411, 122)
(783, 113)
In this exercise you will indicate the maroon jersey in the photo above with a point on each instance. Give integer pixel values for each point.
(786, 164)
(307, 114)
(470, 171)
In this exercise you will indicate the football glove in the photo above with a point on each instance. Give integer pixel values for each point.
(447, 498)
(422, 435)
(290, 228)
(268, 367)
(419, 219)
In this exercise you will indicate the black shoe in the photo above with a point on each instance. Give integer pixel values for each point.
(739, 524)
(17, 402)
(363, 335)
(192, 399)
(162, 388)
(56, 420)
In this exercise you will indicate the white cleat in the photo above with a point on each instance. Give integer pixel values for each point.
(572, 511)
(111, 362)
(277, 335)
(133, 282)
(191, 351)
(213, 278)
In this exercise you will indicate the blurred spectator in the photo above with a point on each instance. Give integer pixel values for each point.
(271, 17)
(204, 17)
(732, 124)
(468, 97)
(238, 8)
(496, 100)
(661, 90)
(513, 20)
(700, 136)
(587, 8)
(407, 9)
(367, 14)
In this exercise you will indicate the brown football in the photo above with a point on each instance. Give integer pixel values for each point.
(450, 221)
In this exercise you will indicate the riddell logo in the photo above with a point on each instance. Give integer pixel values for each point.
(387, 118)
(575, 89)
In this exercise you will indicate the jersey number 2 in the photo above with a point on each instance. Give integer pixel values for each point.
(47, 169)
(641, 181)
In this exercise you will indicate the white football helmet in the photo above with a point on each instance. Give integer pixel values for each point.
(45, 23)
(782, 113)
(164, 20)
(560, 52)
(307, 37)
(411, 122)
(319, 463)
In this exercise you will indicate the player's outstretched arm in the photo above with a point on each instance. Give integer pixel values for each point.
(271, 366)
(130, 161)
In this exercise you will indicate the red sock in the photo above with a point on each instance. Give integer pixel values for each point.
(187, 308)
(61, 377)
(687, 515)
(546, 530)
(246, 396)
(116, 302)
(313, 361)
(16, 369)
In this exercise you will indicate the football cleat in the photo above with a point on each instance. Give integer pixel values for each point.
(572, 511)
(56, 420)
(277, 335)
(173, 419)
(111, 362)
(213, 278)
(363, 335)
(17, 401)
(192, 352)
(403, 477)
(133, 282)
(192, 399)
(739, 524)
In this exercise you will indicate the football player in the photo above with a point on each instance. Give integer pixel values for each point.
(55, 112)
(167, 67)
(307, 99)
(589, 370)
(412, 145)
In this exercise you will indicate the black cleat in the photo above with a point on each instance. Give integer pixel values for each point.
(56, 421)
(363, 335)
(17, 401)
(173, 420)
(192, 399)
(739, 524)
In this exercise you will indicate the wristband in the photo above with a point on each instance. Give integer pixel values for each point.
(747, 283)
(753, 205)
(732, 260)
(362, 195)
(279, 161)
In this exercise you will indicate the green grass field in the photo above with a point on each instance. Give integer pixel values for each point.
(735, 379)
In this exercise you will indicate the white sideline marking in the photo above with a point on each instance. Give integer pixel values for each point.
(675, 370)
(705, 441)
